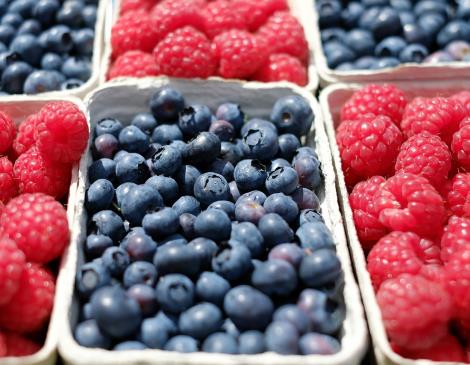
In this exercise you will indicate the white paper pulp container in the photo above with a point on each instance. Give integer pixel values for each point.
(19, 108)
(123, 100)
(331, 100)
(299, 8)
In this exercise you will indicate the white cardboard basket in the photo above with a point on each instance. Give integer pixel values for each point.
(299, 8)
(123, 100)
(19, 107)
(406, 71)
(331, 100)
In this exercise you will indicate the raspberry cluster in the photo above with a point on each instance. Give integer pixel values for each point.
(240, 39)
(35, 169)
(406, 166)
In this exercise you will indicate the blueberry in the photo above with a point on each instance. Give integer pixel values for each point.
(278, 162)
(310, 215)
(83, 40)
(42, 81)
(414, 33)
(431, 6)
(365, 62)
(175, 293)
(186, 222)
(386, 62)
(105, 145)
(167, 133)
(294, 315)
(203, 149)
(458, 49)
(200, 321)
(463, 10)
(220, 342)
(250, 175)
(439, 57)
(333, 34)
(181, 146)
(338, 53)
(283, 205)
(95, 245)
(77, 68)
(304, 151)
(132, 168)
(257, 123)
(99, 195)
(231, 113)
(7, 32)
(247, 234)
(309, 172)
(88, 334)
(22, 7)
(254, 196)
(251, 342)
(174, 239)
(222, 129)
(229, 327)
(260, 143)
(361, 42)
(225, 205)
(166, 161)
(194, 119)
(122, 190)
(14, 76)
(145, 296)
(210, 187)
(275, 277)
(129, 346)
(57, 39)
(45, 10)
(224, 168)
(166, 186)
(169, 321)
(386, 24)
(234, 192)
(318, 344)
(140, 272)
(407, 18)
(108, 125)
(177, 258)
(184, 344)
(212, 288)
(161, 223)
(282, 180)
(413, 53)
(282, 337)
(70, 13)
(320, 268)
(432, 23)
(249, 211)
(30, 26)
(288, 144)
(166, 104)
(232, 263)
(315, 235)
(351, 14)
(306, 199)
(275, 230)
(116, 313)
(329, 12)
(292, 114)
(187, 204)
(368, 3)
(288, 252)
(205, 249)
(13, 19)
(139, 246)
(401, 4)
(390, 47)
(214, 224)
(186, 178)
(154, 333)
(116, 260)
(346, 66)
(456, 30)
(90, 277)
(140, 200)
(109, 224)
(132, 139)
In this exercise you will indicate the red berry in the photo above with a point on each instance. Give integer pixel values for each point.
(375, 99)
(134, 31)
(282, 67)
(284, 34)
(7, 132)
(458, 196)
(37, 174)
(461, 145)
(369, 146)
(407, 202)
(18, 345)
(31, 306)
(464, 98)
(133, 64)
(400, 253)
(38, 225)
(219, 16)
(3, 345)
(25, 138)
(256, 12)
(368, 227)
(12, 264)
(426, 155)
(8, 185)
(456, 236)
(438, 115)
(458, 281)
(62, 131)
(415, 311)
(240, 53)
(131, 5)
(185, 53)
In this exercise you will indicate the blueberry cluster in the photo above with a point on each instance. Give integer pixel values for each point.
(45, 45)
(205, 234)
(376, 34)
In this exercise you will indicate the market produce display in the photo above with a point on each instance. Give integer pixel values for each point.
(376, 34)
(405, 163)
(205, 234)
(34, 230)
(238, 39)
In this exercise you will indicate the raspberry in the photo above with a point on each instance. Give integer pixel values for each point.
(446, 349)
(461, 144)
(7, 132)
(38, 225)
(415, 311)
(434, 273)
(62, 131)
(25, 138)
(240, 53)
(18, 345)
(219, 16)
(369, 145)
(400, 253)
(134, 31)
(458, 196)
(464, 98)
(456, 236)
(185, 53)
(282, 67)
(457, 271)
(368, 227)
(133, 64)
(256, 12)
(3, 345)
(131, 5)
(376, 99)
(437, 115)
(426, 155)
(31, 306)
(284, 34)
(8, 185)
(36, 174)
(407, 202)
(12, 264)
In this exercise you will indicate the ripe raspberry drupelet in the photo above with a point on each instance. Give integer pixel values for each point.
(133, 64)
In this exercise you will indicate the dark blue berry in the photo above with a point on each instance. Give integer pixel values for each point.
(116, 260)
(145, 296)
(108, 223)
(231, 113)
(88, 334)
(140, 272)
(108, 125)
(260, 143)
(140, 200)
(187, 204)
(293, 314)
(166, 133)
(251, 343)
(166, 186)
(105, 145)
(292, 114)
(175, 293)
(318, 344)
(275, 230)
(315, 235)
(90, 277)
(205, 249)
(249, 211)
(200, 321)
(232, 263)
(275, 277)
(154, 333)
(95, 245)
(250, 175)
(161, 223)
(246, 233)
(99, 195)
(139, 246)
(212, 288)
(177, 258)
(288, 252)
(220, 342)
(227, 206)
(210, 187)
(166, 104)
(203, 149)
(14, 76)
(320, 268)
(132, 168)
(194, 119)
(183, 344)
(166, 161)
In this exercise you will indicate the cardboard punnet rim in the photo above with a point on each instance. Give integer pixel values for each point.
(383, 351)
(355, 339)
(47, 355)
(300, 9)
